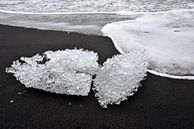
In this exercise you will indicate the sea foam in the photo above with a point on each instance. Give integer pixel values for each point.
(58, 6)
(167, 38)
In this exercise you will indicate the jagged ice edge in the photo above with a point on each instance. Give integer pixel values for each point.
(63, 71)
(120, 77)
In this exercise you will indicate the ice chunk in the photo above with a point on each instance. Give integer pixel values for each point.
(63, 71)
(120, 77)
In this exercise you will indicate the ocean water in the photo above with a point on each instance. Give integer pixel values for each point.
(164, 28)
(48, 6)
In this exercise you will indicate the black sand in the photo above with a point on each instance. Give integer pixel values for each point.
(161, 103)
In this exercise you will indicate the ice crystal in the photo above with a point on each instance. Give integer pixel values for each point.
(120, 77)
(63, 71)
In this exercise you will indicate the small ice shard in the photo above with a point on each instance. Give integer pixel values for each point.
(120, 77)
(11, 101)
(63, 71)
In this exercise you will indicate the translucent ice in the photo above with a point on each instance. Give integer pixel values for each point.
(63, 71)
(120, 77)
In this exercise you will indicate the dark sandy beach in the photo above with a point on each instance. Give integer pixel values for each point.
(161, 103)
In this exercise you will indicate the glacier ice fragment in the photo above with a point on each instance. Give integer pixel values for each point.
(64, 71)
(120, 77)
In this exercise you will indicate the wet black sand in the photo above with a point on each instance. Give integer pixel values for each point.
(161, 103)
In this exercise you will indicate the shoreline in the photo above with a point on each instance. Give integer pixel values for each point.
(100, 33)
(160, 102)
(120, 51)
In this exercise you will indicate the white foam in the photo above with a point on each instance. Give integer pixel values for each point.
(167, 37)
(53, 6)
(42, 6)
(62, 13)
(123, 12)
